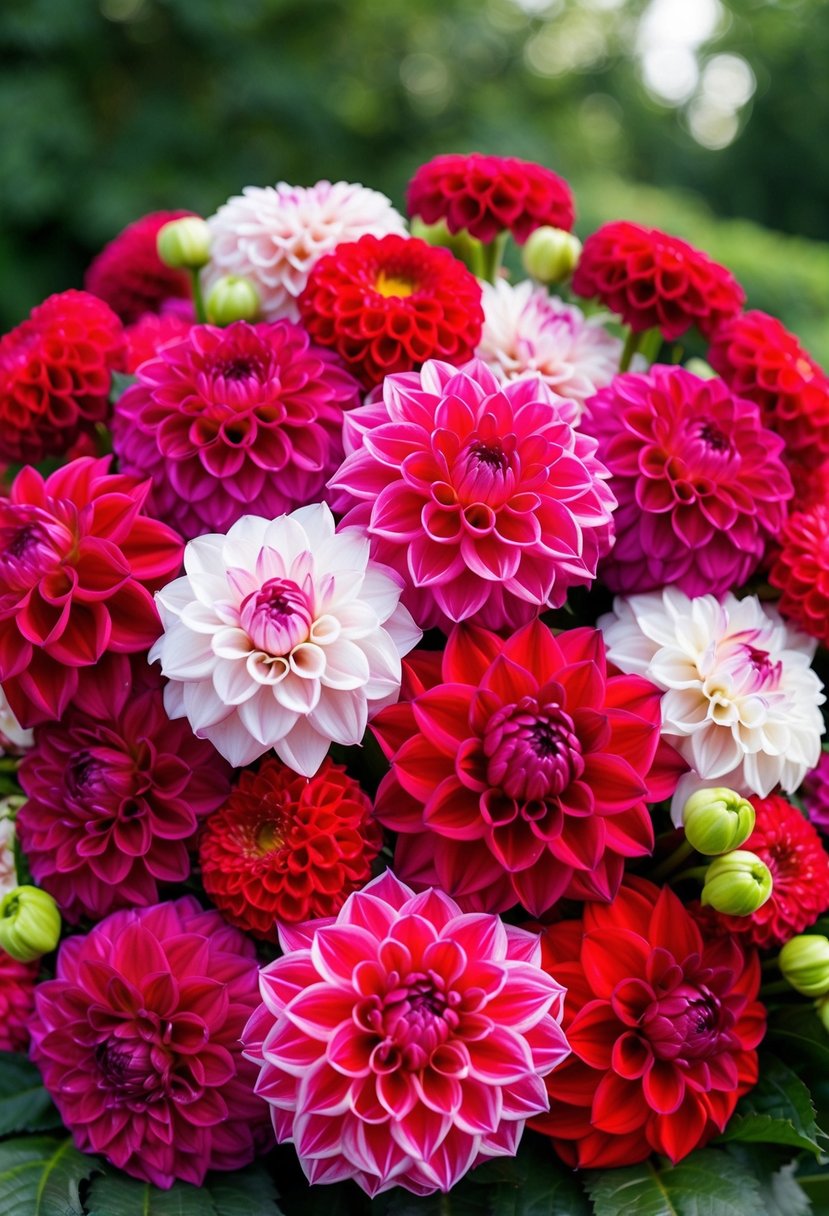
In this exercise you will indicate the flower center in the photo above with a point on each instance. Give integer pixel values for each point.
(28, 548)
(277, 617)
(714, 438)
(688, 1022)
(415, 1016)
(129, 1069)
(533, 750)
(393, 285)
(84, 776)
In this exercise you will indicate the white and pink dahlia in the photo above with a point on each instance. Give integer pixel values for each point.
(529, 332)
(404, 1042)
(273, 235)
(741, 702)
(282, 635)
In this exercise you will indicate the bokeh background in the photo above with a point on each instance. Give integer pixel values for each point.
(706, 117)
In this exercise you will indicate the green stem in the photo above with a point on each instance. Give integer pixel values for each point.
(198, 297)
(775, 987)
(492, 255)
(630, 348)
(769, 964)
(692, 872)
(9, 764)
(672, 861)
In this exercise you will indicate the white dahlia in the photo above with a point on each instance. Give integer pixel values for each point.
(273, 235)
(282, 635)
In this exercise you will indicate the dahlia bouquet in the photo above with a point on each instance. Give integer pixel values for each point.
(412, 796)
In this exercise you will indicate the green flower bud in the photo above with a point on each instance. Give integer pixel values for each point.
(551, 254)
(804, 962)
(700, 368)
(717, 820)
(29, 923)
(822, 1010)
(737, 883)
(232, 298)
(184, 244)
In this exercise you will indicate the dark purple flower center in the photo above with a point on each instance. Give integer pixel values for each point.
(277, 617)
(688, 1023)
(128, 1070)
(714, 438)
(533, 750)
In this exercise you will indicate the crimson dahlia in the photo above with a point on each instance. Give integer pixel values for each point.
(129, 274)
(17, 1000)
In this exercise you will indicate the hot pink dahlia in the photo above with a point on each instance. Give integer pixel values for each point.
(815, 794)
(701, 484)
(227, 419)
(17, 1000)
(482, 495)
(522, 776)
(114, 800)
(129, 274)
(78, 565)
(138, 1042)
(404, 1042)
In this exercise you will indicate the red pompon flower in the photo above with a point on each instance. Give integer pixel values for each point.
(801, 570)
(286, 848)
(114, 799)
(138, 1042)
(791, 848)
(55, 375)
(78, 565)
(487, 195)
(652, 280)
(387, 304)
(523, 776)
(663, 1024)
(147, 337)
(17, 1000)
(129, 274)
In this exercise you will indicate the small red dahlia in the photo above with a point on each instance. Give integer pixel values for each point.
(129, 274)
(655, 281)
(151, 334)
(286, 848)
(487, 195)
(801, 570)
(387, 304)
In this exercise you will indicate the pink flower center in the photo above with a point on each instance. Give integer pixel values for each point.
(29, 547)
(689, 1023)
(533, 750)
(481, 473)
(715, 439)
(277, 617)
(417, 1014)
(128, 1069)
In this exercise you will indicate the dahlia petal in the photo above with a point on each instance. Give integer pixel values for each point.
(612, 956)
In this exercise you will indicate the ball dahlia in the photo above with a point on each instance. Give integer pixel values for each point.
(230, 417)
(387, 304)
(487, 195)
(17, 1000)
(652, 280)
(78, 564)
(138, 1042)
(147, 337)
(800, 570)
(129, 274)
(663, 1024)
(275, 235)
(701, 484)
(815, 793)
(522, 776)
(482, 495)
(55, 373)
(405, 1042)
(282, 635)
(286, 848)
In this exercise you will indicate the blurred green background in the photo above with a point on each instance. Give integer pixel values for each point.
(706, 117)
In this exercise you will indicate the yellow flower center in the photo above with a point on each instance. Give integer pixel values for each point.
(389, 285)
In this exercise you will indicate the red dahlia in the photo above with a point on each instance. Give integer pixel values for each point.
(487, 195)
(17, 1001)
(387, 304)
(286, 848)
(662, 1022)
(801, 570)
(129, 274)
(150, 335)
(652, 280)
(55, 375)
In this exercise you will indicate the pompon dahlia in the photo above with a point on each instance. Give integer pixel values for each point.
(129, 274)
(275, 235)
(78, 565)
(800, 570)
(227, 418)
(815, 794)
(522, 776)
(387, 304)
(530, 333)
(55, 374)
(282, 635)
(487, 195)
(482, 495)
(652, 280)
(741, 703)
(701, 483)
(404, 1042)
(114, 800)
(663, 1024)
(147, 337)
(17, 1000)
(138, 1042)
(285, 848)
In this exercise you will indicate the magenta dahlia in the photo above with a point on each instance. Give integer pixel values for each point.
(815, 794)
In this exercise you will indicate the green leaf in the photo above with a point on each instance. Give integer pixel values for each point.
(778, 1110)
(248, 1192)
(708, 1183)
(25, 1105)
(41, 1176)
(775, 1174)
(120, 384)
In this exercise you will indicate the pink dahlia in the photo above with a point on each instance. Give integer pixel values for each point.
(114, 800)
(481, 495)
(78, 564)
(138, 1042)
(230, 418)
(522, 776)
(701, 484)
(815, 794)
(404, 1042)
(17, 1000)
(129, 274)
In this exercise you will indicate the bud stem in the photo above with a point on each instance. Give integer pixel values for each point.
(9, 764)
(776, 987)
(198, 297)
(692, 872)
(672, 861)
(492, 255)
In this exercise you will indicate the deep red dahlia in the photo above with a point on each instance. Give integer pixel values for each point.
(151, 334)
(55, 375)
(652, 280)
(663, 1024)
(129, 274)
(286, 848)
(78, 565)
(801, 570)
(17, 1000)
(523, 776)
(387, 304)
(487, 195)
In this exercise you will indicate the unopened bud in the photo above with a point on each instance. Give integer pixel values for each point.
(700, 368)
(804, 962)
(184, 244)
(717, 820)
(737, 883)
(822, 1010)
(551, 254)
(29, 923)
(232, 298)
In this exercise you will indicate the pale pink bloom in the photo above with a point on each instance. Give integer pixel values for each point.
(282, 635)
(8, 867)
(404, 1042)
